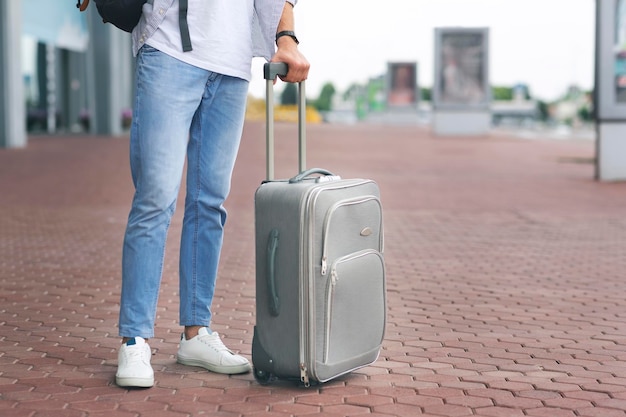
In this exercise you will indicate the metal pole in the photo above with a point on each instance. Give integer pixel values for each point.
(302, 127)
(12, 106)
(269, 129)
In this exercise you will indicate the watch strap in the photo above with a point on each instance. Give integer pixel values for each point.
(289, 33)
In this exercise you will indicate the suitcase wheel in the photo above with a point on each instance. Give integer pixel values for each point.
(263, 377)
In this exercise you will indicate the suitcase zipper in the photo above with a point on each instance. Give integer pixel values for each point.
(304, 311)
(304, 375)
(330, 294)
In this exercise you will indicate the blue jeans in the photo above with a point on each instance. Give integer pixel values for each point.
(180, 111)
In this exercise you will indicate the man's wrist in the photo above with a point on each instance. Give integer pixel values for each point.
(287, 34)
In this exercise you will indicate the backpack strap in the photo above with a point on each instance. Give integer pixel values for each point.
(184, 27)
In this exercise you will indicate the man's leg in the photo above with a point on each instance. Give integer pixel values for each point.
(213, 145)
(168, 92)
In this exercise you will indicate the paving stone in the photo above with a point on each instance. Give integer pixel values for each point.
(504, 281)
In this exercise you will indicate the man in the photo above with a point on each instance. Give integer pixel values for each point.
(190, 104)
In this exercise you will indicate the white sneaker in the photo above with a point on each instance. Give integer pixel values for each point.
(208, 351)
(133, 364)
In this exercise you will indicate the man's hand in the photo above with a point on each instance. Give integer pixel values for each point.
(296, 62)
(288, 52)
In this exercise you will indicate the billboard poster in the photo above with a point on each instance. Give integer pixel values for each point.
(620, 51)
(610, 89)
(461, 67)
(402, 84)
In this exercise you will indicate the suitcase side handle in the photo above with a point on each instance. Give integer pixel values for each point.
(270, 71)
(272, 248)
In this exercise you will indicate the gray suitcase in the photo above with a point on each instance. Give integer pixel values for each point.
(320, 274)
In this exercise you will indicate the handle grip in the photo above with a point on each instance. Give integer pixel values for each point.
(271, 70)
(301, 176)
(272, 293)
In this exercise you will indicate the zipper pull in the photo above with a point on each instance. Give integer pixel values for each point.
(304, 375)
(324, 266)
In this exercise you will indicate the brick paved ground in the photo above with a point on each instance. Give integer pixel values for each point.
(506, 281)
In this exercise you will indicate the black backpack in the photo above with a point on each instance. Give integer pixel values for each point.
(125, 14)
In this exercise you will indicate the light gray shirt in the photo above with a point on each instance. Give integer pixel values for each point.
(220, 32)
(265, 21)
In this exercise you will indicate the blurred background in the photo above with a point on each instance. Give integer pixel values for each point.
(535, 64)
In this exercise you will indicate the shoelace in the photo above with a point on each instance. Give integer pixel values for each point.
(136, 354)
(215, 341)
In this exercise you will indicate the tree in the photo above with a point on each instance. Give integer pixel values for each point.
(325, 100)
(289, 94)
(502, 93)
(353, 92)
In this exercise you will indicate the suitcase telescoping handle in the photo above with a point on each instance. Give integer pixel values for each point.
(271, 70)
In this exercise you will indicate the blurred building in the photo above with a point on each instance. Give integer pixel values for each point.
(69, 71)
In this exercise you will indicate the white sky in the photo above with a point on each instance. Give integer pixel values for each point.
(547, 44)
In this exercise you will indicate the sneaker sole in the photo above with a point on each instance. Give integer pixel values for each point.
(134, 382)
(228, 370)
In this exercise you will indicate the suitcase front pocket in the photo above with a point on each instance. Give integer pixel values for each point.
(355, 306)
(354, 223)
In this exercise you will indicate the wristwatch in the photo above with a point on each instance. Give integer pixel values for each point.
(289, 33)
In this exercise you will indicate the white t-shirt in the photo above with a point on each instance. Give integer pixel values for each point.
(220, 32)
